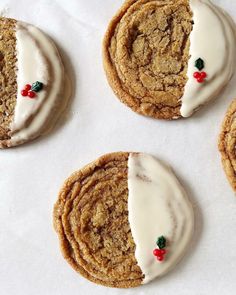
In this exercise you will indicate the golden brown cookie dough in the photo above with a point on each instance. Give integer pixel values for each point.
(91, 219)
(146, 53)
(227, 144)
(8, 84)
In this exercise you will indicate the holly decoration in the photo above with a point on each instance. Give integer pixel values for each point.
(199, 64)
(160, 251)
(200, 76)
(31, 90)
(161, 242)
(37, 86)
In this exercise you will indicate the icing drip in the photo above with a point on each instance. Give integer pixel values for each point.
(38, 60)
(157, 206)
(213, 40)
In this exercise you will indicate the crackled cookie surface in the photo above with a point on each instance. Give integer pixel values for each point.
(227, 144)
(123, 220)
(164, 59)
(32, 80)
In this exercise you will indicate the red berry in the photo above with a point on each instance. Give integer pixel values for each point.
(31, 94)
(163, 251)
(160, 258)
(27, 87)
(156, 252)
(200, 80)
(203, 75)
(197, 75)
(24, 92)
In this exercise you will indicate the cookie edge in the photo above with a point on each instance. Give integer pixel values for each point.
(225, 130)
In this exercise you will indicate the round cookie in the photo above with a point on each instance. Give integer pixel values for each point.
(164, 59)
(123, 220)
(32, 83)
(227, 143)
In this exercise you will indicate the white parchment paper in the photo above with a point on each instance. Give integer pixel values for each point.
(97, 123)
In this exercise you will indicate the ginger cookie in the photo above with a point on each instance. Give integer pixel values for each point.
(123, 220)
(32, 83)
(164, 59)
(227, 143)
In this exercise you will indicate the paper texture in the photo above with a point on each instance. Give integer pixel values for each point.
(97, 123)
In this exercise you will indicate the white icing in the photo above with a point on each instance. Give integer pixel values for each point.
(157, 206)
(213, 40)
(38, 60)
(32, 67)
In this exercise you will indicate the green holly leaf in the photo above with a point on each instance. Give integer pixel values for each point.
(37, 86)
(199, 64)
(161, 242)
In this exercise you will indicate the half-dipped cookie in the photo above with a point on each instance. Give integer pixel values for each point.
(32, 83)
(164, 59)
(123, 220)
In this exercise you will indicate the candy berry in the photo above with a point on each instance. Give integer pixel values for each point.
(163, 251)
(27, 87)
(200, 80)
(197, 75)
(203, 75)
(200, 76)
(24, 92)
(156, 252)
(159, 253)
(160, 258)
(31, 94)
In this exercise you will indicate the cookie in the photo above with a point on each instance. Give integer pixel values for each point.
(123, 220)
(164, 59)
(227, 143)
(32, 83)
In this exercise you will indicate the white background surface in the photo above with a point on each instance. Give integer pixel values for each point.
(97, 123)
